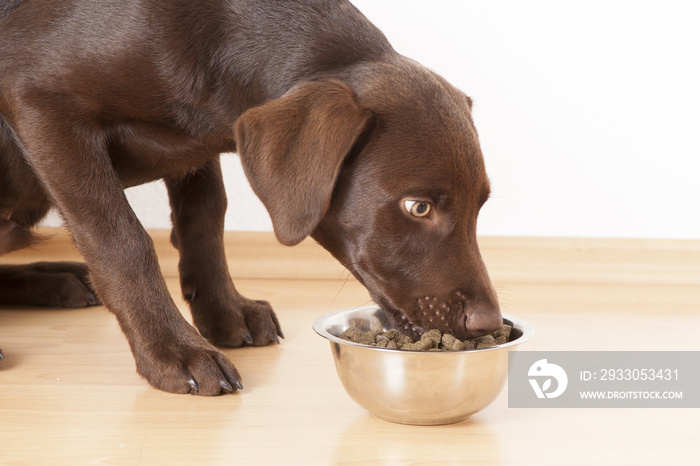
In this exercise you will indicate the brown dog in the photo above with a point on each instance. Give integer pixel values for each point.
(342, 139)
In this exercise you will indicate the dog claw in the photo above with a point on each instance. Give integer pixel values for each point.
(239, 385)
(93, 300)
(248, 338)
(193, 385)
(225, 386)
(2, 356)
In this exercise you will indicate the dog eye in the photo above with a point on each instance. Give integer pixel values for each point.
(417, 208)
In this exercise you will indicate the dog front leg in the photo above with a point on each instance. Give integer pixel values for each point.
(220, 312)
(75, 168)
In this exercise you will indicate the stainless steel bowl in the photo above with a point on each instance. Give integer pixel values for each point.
(417, 387)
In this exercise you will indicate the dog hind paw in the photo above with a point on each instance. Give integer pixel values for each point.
(243, 322)
(55, 284)
(72, 284)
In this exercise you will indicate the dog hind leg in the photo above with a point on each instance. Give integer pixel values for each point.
(222, 315)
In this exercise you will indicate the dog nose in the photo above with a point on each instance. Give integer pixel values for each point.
(482, 321)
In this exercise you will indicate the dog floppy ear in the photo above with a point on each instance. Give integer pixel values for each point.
(292, 149)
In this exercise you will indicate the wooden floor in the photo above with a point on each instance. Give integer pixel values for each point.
(69, 393)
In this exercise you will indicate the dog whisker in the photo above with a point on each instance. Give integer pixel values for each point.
(366, 303)
(342, 285)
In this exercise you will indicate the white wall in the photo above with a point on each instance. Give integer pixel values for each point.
(588, 112)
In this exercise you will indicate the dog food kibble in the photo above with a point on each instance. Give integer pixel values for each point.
(450, 343)
(485, 341)
(502, 335)
(358, 336)
(432, 340)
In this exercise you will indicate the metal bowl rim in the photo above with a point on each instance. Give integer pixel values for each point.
(319, 327)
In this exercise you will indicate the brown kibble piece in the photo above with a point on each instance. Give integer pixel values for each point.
(392, 334)
(468, 345)
(358, 336)
(433, 336)
(352, 334)
(502, 333)
(382, 342)
(404, 340)
(451, 343)
(420, 345)
(486, 341)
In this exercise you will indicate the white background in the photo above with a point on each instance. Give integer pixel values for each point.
(588, 113)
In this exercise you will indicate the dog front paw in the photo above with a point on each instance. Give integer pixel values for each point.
(194, 368)
(261, 321)
(236, 322)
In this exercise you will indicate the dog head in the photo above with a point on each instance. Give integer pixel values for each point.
(389, 177)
